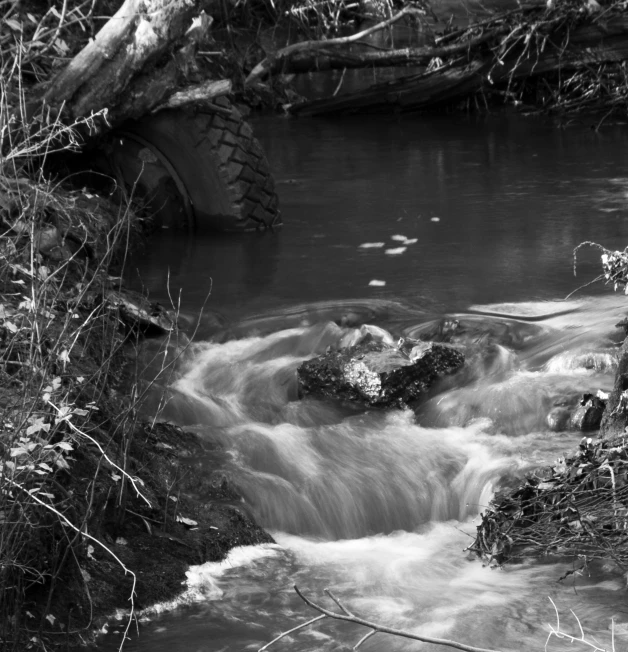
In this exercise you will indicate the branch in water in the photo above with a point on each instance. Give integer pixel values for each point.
(374, 627)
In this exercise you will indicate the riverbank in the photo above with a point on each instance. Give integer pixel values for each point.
(100, 511)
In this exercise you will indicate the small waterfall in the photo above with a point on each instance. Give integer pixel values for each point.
(311, 468)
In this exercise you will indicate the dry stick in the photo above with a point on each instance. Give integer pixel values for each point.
(261, 68)
(572, 639)
(349, 617)
(56, 34)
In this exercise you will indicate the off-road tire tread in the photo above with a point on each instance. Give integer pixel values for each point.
(242, 166)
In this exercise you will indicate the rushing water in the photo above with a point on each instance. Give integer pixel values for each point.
(379, 506)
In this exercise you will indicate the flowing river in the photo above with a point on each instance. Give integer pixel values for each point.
(379, 506)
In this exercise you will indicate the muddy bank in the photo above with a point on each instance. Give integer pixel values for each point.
(195, 515)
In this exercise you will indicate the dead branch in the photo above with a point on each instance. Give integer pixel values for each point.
(593, 644)
(270, 64)
(325, 58)
(375, 628)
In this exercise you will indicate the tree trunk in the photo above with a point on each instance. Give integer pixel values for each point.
(138, 60)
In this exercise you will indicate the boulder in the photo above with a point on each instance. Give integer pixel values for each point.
(588, 414)
(558, 419)
(376, 374)
(139, 314)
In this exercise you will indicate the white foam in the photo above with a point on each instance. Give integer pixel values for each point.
(202, 583)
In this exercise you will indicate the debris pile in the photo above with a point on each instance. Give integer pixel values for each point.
(576, 508)
(563, 57)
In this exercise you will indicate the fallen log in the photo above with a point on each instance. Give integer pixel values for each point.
(138, 60)
(275, 63)
(484, 70)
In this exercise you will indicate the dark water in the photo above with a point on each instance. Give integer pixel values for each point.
(379, 506)
(514, 197)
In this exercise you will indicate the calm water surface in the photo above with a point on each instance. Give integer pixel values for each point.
(379, 506)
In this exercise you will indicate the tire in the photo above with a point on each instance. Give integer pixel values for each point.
(220, 166)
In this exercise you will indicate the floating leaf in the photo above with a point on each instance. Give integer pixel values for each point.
(396, 251)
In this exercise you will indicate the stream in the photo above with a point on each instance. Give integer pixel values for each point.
(379, 506)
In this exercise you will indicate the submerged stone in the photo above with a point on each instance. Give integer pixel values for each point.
(374, 373)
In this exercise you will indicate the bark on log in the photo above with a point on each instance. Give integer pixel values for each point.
(199, 94)
(589, 44)
(329, 58)
(276, 62)
(135, 63)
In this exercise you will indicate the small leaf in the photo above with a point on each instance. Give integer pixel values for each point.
(186, 521)
(51, 619)
(10, 326)
(38, 426)
(13, 24)
(61, 463)
(61, 46)
(64, 445)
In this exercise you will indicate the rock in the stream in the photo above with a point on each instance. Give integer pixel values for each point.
(588, 414)
(139, 313)
(558, 419)
(374, 373)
